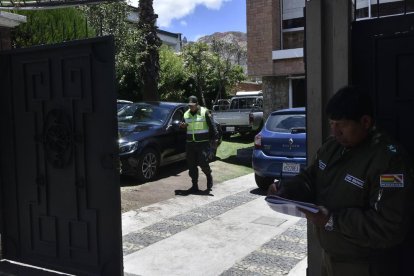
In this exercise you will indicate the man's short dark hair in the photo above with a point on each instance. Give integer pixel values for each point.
(349, 103)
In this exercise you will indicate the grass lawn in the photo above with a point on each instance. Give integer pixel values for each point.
(233, 158)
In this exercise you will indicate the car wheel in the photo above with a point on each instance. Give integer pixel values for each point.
(263, 182)
(148, 165)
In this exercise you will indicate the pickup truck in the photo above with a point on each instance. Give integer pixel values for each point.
(244, 114)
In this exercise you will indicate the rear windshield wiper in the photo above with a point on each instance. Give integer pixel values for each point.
(295, 130)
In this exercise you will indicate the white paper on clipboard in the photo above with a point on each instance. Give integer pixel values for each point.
(290, 207)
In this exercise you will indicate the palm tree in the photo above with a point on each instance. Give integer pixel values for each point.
(148, 50)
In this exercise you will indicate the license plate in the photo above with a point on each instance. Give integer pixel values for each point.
(229, 129)
(291, 167)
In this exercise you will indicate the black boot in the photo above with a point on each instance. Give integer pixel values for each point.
(209, 182)
(194, 188)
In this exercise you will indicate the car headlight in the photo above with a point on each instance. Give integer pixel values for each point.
(128, 147)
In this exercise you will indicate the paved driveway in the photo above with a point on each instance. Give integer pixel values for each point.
(230, 232)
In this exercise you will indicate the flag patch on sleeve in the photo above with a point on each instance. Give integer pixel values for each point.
(392, 180)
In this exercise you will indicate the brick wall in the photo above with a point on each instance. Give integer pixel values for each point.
(286, 67)
(247, 86)
(263, 35)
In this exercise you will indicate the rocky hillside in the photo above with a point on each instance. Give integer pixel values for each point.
(231, 37)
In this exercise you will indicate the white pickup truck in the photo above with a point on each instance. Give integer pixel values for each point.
(244, 114)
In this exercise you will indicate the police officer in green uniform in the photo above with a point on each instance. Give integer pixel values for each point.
(201, 133)
(363, 184)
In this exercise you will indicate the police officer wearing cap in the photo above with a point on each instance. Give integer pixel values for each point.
(201, 132)
(363, 184)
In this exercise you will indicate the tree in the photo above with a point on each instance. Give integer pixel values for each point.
(148, 50)
(127, 68)
(110, 19)
(211, 74)
(197, 59)
(173, 75)
(225, 62)
(51, 26)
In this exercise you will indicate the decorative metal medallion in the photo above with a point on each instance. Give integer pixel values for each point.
(58, 138)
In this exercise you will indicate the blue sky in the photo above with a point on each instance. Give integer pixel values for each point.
(196, 18)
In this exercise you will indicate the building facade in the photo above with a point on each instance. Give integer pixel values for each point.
(275, 42)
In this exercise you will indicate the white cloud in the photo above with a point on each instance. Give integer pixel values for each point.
(169, 10)
(183, 23)
(197, 37)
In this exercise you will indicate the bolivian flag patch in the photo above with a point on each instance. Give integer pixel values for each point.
(392, 181)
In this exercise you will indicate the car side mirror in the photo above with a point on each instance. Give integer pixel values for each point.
(175, 125)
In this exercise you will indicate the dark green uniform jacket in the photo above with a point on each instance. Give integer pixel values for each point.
(369, 191)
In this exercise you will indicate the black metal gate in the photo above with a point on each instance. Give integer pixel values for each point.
(383, 64)
(60, 192)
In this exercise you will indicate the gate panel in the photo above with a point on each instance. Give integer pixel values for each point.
(60, 185)
(395, 86)
(383, 65)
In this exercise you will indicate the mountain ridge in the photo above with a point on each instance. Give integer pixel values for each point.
(239, 38)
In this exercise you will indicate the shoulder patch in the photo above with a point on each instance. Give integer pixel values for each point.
(354, 181)
(392, 180)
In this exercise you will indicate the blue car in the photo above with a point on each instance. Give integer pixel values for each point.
(280, 147)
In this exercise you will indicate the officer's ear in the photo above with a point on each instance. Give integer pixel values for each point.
(366, 121)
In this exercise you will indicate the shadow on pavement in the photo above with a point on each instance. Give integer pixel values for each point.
(192, 192)
(258, 191)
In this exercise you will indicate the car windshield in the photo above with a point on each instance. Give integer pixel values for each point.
(144, 113)
(286, 122)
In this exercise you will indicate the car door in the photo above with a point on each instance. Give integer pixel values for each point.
(179, 133)
(172, 140)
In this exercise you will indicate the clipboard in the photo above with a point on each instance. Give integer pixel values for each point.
(289, 206)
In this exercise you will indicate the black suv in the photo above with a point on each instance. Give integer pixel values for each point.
(150, 137)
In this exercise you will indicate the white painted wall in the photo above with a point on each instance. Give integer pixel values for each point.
(11, 20)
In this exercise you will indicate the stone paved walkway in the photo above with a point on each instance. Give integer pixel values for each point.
(236, 234)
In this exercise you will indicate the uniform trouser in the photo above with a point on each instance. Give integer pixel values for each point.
(332, 267)
(198, 155)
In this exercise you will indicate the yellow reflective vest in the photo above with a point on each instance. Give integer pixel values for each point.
(197, 127)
